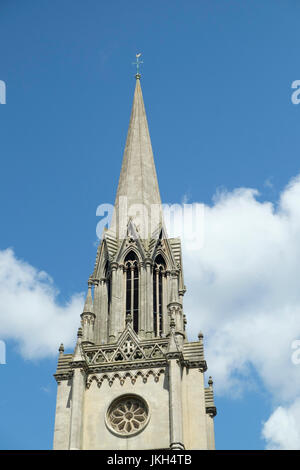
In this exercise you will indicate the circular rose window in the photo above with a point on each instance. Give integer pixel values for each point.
(127, 415)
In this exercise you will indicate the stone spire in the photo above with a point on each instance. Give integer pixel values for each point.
(133, 327)
(88, 317)
(88, 305)
(138, 186)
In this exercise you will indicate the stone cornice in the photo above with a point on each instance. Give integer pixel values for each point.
(114, 367)
(195, 364)
(174, 355)
(63, 376)
(79, 365)
(127, 366)
(108, 367)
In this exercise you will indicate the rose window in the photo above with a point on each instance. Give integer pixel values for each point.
(128, 415)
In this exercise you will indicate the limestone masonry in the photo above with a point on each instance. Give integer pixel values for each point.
(134, 381)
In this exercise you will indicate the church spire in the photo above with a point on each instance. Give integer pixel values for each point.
(138, 194)
(133, 327)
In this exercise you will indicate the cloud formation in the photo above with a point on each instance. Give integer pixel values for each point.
(30, 313)
(282, 430)
(243, 292)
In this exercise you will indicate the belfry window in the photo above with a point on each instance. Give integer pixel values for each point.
(158, 273)
(132, 289)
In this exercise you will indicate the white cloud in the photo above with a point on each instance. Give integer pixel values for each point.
(243, 290)
(282, 431)
(243, 293)
(29, 311)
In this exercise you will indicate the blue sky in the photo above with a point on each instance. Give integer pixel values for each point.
(217, 88)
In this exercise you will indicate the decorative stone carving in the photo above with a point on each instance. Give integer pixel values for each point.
(127, 415)
(131, 375)
(127, 350)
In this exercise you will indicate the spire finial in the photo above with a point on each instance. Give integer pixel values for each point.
(138, 63)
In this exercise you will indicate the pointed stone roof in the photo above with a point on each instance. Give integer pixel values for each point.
(138, 180)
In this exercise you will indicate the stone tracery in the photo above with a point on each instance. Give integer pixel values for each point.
(127, 415)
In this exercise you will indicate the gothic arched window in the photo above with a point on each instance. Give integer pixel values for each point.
(132, 288)
(158, 273)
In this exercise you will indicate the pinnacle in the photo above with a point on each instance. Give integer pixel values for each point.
(88, 306)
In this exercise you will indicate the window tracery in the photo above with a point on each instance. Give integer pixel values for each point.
(159, 270)
(132, 289)
(128, 415)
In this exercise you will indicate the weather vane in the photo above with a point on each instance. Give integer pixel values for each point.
(138, 63)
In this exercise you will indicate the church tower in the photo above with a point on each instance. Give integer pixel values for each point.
(134, 380)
